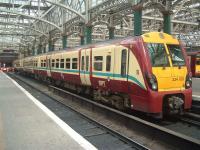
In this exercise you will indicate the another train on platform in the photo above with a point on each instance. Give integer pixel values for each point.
(148, 73)
(194, 60)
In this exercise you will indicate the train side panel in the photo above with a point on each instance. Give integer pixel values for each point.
(102, 77)
(70, 72)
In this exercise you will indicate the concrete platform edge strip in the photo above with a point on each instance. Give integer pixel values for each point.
(78, 138)
(196, 97)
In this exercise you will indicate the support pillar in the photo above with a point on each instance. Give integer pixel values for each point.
(88, 34)
(44, 49)
(33, 51)
(82, 40)
(28, 51)
(39, 51)
(138, 22)
(51, 45)
(167, 23)
(25, 52)
(111, 32)
(64, 41)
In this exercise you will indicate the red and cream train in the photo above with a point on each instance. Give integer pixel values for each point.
(194, 59)
(148, 73)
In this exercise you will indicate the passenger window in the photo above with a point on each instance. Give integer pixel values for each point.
(74, 63)
(57, 63)
(82, 63)
(87, 63)
(44, 64)
(123, 62)
(108, 63)
(62, 63)
(68, 63)
(98, 63)
(41, 63)
(53, 63)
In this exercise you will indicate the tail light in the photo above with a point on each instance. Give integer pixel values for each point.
(152, 82)
(188, 81)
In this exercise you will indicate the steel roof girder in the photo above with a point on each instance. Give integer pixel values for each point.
(54, 2)
(36, 18)
(173, 21)
(17, 42)
(17, 24)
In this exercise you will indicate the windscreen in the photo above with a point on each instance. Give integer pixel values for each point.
(176, 55)
(157, 54)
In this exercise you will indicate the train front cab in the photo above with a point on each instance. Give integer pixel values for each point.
(169, 80)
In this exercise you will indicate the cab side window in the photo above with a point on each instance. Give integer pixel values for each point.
(108, 63)
(123, 62)
(82, 63)
(87, 63)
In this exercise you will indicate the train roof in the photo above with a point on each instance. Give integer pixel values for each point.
(124, 40)
(93, 45)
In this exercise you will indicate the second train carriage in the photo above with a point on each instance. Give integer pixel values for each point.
(197, 66)
(148, 73)
(194, 60)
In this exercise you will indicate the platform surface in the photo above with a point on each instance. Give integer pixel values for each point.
(196, 89)
(196, 86)
(24, 126)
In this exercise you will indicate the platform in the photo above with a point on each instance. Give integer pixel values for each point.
(25, 123)
(196, 89)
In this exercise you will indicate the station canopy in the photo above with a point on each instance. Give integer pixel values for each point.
(31, 24)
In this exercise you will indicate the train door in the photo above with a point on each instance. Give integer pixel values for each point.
(124, 63)
(49, 65)
(120, 68)
(85, 71)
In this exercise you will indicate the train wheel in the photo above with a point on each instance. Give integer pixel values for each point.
(118, 102)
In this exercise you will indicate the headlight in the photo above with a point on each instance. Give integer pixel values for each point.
(188, 81)
(152, 81)
(154, 86)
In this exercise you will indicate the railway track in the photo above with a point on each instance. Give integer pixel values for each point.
(192, 119)
(131, 127)
(196, 106)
